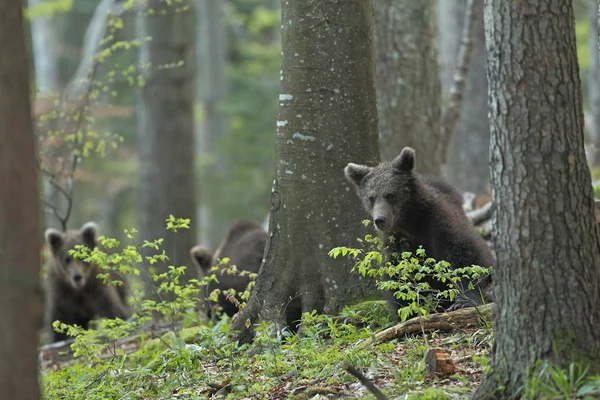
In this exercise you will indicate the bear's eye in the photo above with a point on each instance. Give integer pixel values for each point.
(389, 196)
(371, 200)
(68, 259)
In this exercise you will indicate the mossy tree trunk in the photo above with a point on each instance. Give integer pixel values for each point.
(20, 294)
(467, 164)
(408, 83)
(547, 277)
(327, 118)
(165, 124)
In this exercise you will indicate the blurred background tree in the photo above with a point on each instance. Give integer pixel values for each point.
(234, 169)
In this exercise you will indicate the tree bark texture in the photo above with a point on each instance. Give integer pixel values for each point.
(165, 124)
(20, 293)
(327, 118)
(211, 90)
(408, 83)
(43, 40)
(594, 84)
(467, 166)
(547, 275)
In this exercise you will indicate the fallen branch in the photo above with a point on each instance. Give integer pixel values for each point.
(460, 319)
(451, 112)
(481, 214)
(365, 381)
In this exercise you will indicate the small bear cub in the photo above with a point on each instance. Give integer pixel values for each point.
(424, 211)
(74, 293)
(244, 245)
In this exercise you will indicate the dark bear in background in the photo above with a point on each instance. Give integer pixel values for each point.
(244, 245)
(424, 211)
(74, 294)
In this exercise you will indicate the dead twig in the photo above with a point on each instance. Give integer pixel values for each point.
(80, 84)
(365, 381)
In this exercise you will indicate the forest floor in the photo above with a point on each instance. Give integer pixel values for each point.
(199, 362)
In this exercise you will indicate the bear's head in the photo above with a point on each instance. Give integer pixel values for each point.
(387, 190)
(76, 272)
(202, 257)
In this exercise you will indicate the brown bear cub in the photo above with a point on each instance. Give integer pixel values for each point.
(425, 212)
(74, 293)
(244, 245)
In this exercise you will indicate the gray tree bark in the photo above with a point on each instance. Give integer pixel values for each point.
(408, 83)
(43, 41)
(44, 52)
(166, 128)
(594, 84)
(211, 91)
(20, 294)
(547, 277)
(327, 118)
(467, 164)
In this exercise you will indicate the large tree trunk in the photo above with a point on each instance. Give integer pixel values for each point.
(166, 129)
(467, 165)
(408, 84)
(547, 277)
(211, 88)
(594, 84)
(327, 118)
(20, 295)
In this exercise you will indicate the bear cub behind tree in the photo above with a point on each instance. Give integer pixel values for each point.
(74, 293)
(424, 211)
(244, 245)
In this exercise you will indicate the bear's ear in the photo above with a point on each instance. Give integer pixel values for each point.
(356, 173)
(89, 232)
(405, 161)
(54, 238)
(202, 257)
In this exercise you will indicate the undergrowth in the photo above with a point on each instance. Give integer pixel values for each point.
(194, 358)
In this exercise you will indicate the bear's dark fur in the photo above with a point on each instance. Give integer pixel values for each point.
(405, 205)
(440, 187)
(244, 245)
(74, 293)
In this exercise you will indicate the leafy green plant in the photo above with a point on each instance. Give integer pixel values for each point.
(411, 277)
(546, 380)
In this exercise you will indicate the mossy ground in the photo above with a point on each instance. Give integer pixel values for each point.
(200, 362)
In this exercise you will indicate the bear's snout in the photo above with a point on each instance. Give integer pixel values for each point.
(380, 222)
(78, 281)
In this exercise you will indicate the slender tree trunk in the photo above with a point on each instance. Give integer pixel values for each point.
(211, 89)
(166, 128)
(20, 294)
(43, 42)
(594, 84)
(44, 52)
(547, 277)
(467, 166)
(327, 118)
(408, 84)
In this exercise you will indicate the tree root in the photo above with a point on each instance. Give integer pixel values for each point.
(464, 318)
